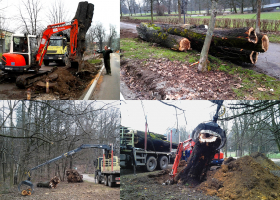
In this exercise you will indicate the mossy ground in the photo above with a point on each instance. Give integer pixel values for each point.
(252, 82)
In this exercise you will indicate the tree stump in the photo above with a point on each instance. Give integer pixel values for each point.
(200, 159)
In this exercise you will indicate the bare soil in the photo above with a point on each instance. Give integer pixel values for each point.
(66, 191)
(170, 80)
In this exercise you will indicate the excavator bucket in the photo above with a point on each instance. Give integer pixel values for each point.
(212, 128)
(28, 191)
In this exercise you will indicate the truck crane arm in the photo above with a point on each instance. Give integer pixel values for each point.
(107, 148)
(55, 28)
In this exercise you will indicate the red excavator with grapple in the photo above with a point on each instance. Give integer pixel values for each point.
(26, 56)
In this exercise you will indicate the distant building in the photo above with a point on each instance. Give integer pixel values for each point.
(5, 40)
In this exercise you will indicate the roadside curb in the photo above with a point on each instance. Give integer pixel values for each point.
(93, 85)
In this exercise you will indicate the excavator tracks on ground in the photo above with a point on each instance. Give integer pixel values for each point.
(26, 80)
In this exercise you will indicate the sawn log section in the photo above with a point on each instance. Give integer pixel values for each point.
(151, 34)
(243, 38)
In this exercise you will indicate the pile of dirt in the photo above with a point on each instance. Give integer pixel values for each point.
(171, 80)
(66, 82)
(264, 161)
(244, 178)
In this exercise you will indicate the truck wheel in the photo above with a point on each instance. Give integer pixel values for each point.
(46, 62)
(110, 181)
(151, 164)
(98, 179)
(105, 180)
(162, 162)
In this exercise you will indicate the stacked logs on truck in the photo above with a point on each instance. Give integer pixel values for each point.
(200, 159)
(50, 184)
(236, 45)
(73, 176)
(155, 142)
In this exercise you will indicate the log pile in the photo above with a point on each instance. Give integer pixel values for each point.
(73, 176)
(236, 45)
(200, 159)
(50, 184)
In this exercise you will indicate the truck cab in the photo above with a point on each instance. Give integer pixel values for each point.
(21, 57)
(56, 50)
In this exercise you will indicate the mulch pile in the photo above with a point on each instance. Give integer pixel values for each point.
(172, 80)
(73, 176)
(248, 177)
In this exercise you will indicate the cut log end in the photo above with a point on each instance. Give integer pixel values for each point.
(184, 45)
(265, 43)
(252, 36)
(254, 57)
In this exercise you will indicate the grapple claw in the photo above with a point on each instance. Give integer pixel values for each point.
(214, 129)
(28, 191)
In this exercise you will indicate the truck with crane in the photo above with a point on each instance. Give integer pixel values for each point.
(109, 170)
(26, 56)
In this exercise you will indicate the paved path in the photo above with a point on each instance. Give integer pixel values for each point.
(130, 26)
(269, 62)
(108, 87)
(86, 177)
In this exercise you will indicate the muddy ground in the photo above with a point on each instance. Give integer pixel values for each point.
(250, 177)
(170, 80)
(67, 191)
(65, 83)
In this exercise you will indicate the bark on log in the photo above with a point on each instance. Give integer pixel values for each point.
(153, 143)
(50, 184)
(200, 159)
(73, 176)
(174, 42)
(234, 55)
(243, 38)
(84, 15)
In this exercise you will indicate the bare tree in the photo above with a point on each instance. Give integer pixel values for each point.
(203, 61)
(57, 12)
(112, 35)
(258, 21)
(99, 33)
(29, 16)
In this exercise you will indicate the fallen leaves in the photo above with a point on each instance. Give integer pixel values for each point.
(261, 89)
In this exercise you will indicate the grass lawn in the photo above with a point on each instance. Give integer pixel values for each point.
(95, 61)
(251, 80)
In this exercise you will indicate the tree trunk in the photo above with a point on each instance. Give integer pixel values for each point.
(152, 17)
(84, 16)
(200, 159)
(179, 10)
(148, 33)
(203, 61)
(244, 38)
(258, 21)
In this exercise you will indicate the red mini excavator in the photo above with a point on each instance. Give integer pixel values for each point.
(26, 55)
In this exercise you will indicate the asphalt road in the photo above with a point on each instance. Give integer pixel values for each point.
(130, 26)
(108, 87)
(268, 62)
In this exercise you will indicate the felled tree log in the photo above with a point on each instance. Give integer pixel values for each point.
(200, 159)
(234, 55)
(73, 176)
(50, 184)
(153, 143)
(151, 34)
(84, 15)
(243, 38)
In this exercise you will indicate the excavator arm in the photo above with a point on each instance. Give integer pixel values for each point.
(107, 148)
(55, 28)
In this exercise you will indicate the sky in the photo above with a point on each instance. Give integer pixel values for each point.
(105, 11)
(160, 117)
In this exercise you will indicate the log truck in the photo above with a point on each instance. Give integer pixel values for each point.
(18, 63)
(109, 163)
(211, 128)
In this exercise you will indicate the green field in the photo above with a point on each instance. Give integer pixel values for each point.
(264, 15)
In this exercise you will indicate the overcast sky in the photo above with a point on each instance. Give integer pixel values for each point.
(160, 117)
(105, 11)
